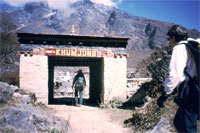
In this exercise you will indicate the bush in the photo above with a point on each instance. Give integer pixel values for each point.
(114, 103)
(10, 78)
(144, 119)
(9, 46)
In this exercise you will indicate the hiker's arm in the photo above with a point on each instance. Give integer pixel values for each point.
(84, 80)
(176, 68)
(74, 81)
(176, 74)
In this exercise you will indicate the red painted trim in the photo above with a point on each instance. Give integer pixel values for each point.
(73, 53)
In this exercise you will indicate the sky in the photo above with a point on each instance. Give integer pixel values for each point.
(181, 12)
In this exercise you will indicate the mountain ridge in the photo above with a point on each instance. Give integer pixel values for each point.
(146, 35)
(94, 19)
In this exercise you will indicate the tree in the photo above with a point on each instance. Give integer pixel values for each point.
(8, 40)
(9, 46)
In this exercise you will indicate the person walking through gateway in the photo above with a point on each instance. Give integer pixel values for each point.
(184, 76)
(79, 84)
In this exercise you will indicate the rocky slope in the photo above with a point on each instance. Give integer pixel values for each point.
(20, 112)
(146, 112)
(156, 66)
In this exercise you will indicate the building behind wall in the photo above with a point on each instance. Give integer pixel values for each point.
(105, 56)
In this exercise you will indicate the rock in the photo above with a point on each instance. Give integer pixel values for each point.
(134, 84)
(6, 92)
(8, 88)
(157, 65)
(11, 92)
(25, 118)
(163, 126)
(17, 95)
(25, 99)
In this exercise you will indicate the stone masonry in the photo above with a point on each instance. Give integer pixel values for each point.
(34, 76)
(115, 78)
(105, 56)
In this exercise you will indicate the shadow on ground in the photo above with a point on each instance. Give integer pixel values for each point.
(71, 102)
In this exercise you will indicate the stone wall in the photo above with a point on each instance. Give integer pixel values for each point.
(115, 78)
(133, 84)
(34, 75)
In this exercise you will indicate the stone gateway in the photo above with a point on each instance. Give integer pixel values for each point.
(106, 58)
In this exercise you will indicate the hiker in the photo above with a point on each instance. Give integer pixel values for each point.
(182, 74)
(79, 83)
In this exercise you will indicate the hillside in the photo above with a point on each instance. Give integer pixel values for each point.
(91, 19)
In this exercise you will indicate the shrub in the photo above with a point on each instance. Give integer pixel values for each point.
(10, 78)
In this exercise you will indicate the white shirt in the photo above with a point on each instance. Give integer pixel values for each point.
(181, 58)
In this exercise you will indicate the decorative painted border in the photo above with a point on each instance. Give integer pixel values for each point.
(73, 53)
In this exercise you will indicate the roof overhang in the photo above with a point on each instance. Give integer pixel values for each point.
(73, 40)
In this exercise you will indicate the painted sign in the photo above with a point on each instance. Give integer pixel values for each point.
(72, 52)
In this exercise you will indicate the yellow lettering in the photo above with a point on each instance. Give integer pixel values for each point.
(67, 52)
(73, 52)
(84, 53)
(62, 52)
(57, 51)
(94, 53)
(78, 53)
(89, 53)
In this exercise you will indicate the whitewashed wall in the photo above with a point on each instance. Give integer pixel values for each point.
(34, 76)
(115, 78)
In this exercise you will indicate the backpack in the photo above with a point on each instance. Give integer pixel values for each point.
(80, 83)
(189, 90)
(194, 47)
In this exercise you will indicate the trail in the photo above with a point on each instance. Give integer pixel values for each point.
(86, 119)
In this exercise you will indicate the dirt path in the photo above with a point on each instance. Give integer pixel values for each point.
(87, 119)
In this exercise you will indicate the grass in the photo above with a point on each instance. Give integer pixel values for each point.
(52, 131)
(114, 103)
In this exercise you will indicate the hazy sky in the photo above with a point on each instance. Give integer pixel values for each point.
(182, 12)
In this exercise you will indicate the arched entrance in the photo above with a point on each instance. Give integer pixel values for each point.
(95, 81)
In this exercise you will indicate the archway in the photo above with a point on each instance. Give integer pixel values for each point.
(106, 58)
(95, 78)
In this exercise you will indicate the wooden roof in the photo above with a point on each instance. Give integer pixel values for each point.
(73, 40)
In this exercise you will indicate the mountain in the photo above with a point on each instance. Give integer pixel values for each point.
(92, 19)
(146, 35)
